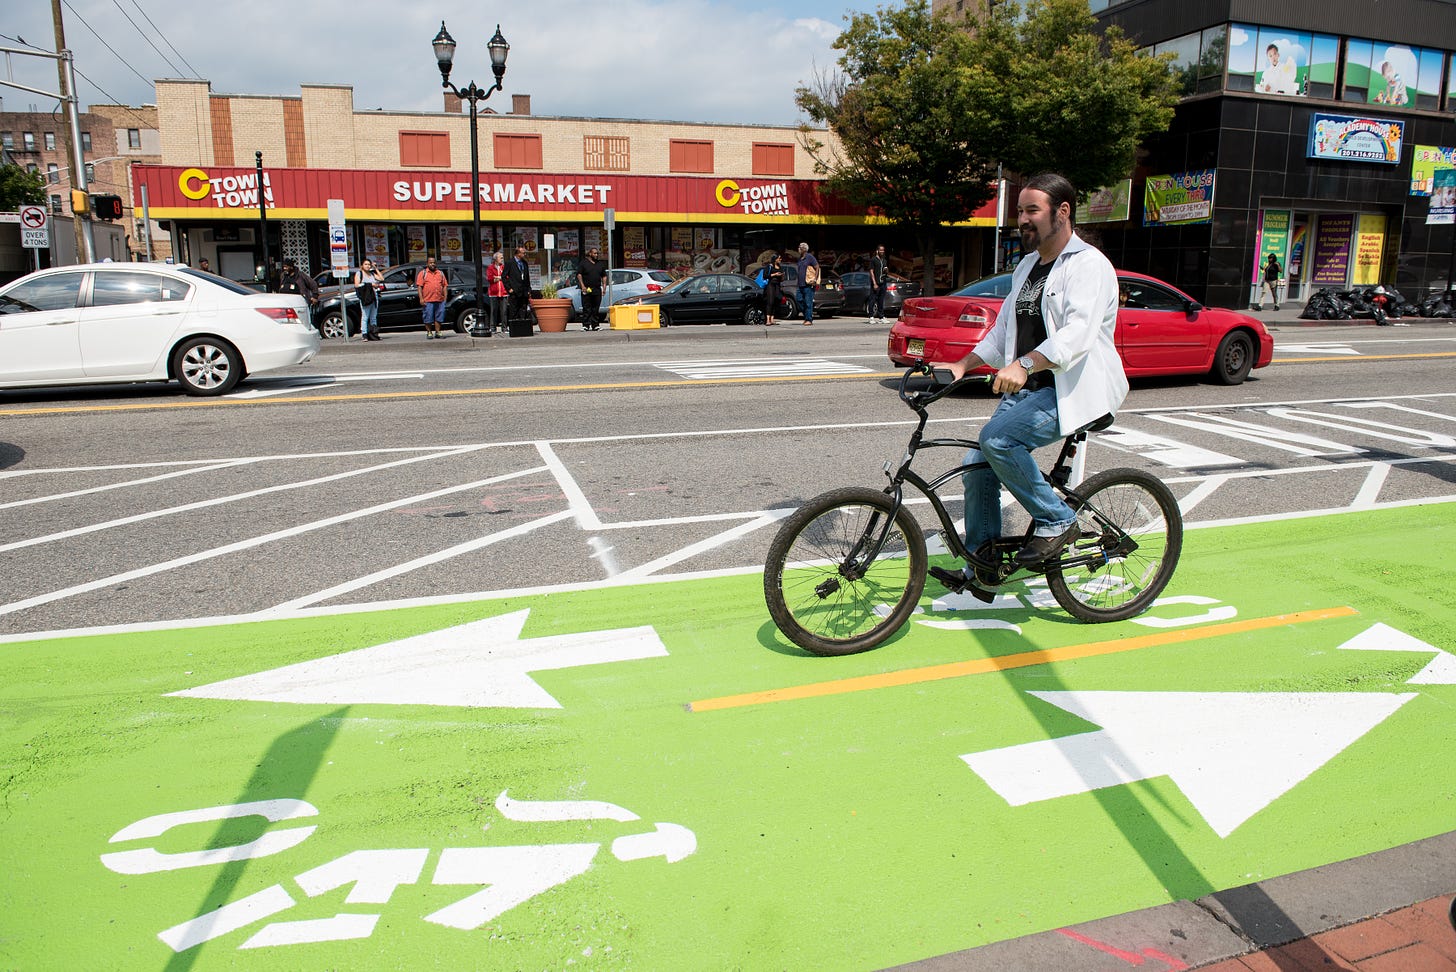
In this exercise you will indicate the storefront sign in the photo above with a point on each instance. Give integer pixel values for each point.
(1273, 238)
(1443, 199)
(1369, 248)
(770, 198)
(1350, 138)
(1426, 161)
(1331, 265)
(232, 191)
(1110, 204)
(1180, 199)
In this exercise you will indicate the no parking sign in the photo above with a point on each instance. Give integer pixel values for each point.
(35, 231)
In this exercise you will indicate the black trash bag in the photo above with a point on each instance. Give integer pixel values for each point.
(1323, 305)
(1438, 305)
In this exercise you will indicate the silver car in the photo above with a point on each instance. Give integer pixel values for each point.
(625, 282)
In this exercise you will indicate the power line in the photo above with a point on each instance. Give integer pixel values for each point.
(105, 45)
(175, 69)
(180, 57)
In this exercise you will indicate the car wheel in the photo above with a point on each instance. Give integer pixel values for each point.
(207, 366)
(331, 325)
(753, 317)
(1234, 359)
(788, 309)
(664, 318)
(466, 320)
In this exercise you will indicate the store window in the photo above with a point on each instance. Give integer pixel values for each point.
(684, 155)
(607, 153)
(50, 141)
(1451, 85)
(517, 151)
(1275, 60)
(1378, 73)
(424, 148)
(772, 159)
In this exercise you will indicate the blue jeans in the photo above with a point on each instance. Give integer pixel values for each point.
(369, 318)
(806, 303)
(1022, 422)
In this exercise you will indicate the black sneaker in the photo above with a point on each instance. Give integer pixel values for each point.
(1039, 549)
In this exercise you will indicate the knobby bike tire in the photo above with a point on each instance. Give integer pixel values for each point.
(816, 600)
(1120, 501)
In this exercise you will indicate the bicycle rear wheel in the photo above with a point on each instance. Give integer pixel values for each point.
(1132, 520)
(828, 589)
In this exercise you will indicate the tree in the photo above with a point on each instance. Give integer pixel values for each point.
(20, 188)
(923, 107)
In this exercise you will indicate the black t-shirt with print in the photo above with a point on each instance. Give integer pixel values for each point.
(1030, 325)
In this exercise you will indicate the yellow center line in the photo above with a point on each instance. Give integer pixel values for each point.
(1362, 357)
(981, 666)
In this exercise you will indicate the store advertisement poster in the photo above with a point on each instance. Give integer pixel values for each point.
(1351, 138)
(704, 238)
(415, 239)
(1443, 199)
(1110, 204)
(591, 238)
(525, 236)
(376, 244)
(1179, 199)
(452, 244)
(1331, 266)
(680, 239)
(1273, 238)
(634, 246)
(1369, 248)
(1426, 161)
(567, 242)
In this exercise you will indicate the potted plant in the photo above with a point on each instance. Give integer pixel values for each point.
(552, 312)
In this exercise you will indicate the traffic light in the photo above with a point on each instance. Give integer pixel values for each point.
(80, 202)
(106, 207)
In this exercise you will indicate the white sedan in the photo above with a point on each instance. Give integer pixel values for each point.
(626, 282)
(100, 323)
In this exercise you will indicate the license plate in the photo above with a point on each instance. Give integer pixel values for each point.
(915, 346)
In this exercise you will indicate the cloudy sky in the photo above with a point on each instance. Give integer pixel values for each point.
(678, 60)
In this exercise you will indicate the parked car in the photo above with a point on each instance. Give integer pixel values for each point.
(625, 282)
(1160, 330)
(856, 285)
(828, 299)
(399, 301)
(100, 323)
(706, 298)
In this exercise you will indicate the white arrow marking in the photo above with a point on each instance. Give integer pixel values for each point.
(1231, 753)
(543, 811)
(669, 840)
(513, 875)
(1382, 637)
(229, 917)
(1317, 349)
(339, 928)
(1170, 452)
(483, 663)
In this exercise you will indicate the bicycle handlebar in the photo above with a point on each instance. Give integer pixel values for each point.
(946, 382)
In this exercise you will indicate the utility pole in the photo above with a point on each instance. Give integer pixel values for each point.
(65, 69)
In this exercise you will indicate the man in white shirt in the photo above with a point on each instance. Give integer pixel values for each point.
(1053, 343)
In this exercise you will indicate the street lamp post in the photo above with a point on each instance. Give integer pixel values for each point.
(444, 46)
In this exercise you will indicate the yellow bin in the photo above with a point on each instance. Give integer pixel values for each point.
(633, 317)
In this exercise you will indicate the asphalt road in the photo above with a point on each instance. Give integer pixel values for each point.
(407, 468)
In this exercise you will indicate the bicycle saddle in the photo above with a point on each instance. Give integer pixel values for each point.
(1097, 425)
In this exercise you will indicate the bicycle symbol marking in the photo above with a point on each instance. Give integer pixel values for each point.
(506, 876)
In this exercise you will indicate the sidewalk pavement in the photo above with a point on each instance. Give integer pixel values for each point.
(1352, 915)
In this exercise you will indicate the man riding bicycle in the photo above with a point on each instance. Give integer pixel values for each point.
(1058, 370)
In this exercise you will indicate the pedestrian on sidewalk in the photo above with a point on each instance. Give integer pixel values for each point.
(1272, 273)
(290, 281)
(495, 291)
(368, 281)
(773, 281)
(875, 305)
(433, 287)
(589, 276)
(518, 285)
(808, 282)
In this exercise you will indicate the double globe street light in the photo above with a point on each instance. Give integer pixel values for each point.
(444, 46)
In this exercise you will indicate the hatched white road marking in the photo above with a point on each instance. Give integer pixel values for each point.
(760, 368)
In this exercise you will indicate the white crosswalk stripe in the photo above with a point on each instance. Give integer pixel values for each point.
(759, 368)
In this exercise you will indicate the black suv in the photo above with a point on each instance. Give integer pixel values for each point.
(399, 301)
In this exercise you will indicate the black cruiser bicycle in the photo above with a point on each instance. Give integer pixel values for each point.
(846, 571)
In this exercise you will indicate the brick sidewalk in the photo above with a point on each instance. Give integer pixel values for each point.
(1420, 938)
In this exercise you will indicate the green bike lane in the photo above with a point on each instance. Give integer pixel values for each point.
(651, 777)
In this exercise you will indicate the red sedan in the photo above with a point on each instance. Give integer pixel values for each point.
(1160, 330)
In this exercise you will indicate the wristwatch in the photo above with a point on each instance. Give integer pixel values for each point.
(1027, 363)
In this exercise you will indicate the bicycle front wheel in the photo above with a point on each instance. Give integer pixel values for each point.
(842, 574)
(1131, 520)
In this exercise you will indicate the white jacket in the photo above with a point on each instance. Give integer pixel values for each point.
(1079, 305)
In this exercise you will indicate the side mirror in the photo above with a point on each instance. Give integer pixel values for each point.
(1194, 307)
